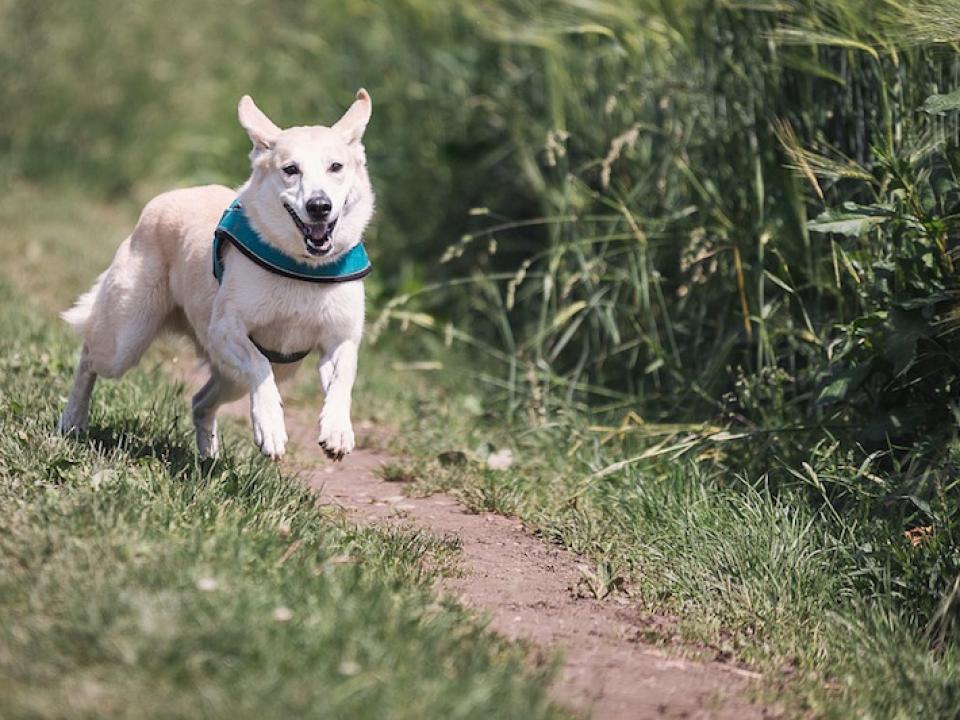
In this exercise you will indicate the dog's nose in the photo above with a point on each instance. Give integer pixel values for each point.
(319, 206)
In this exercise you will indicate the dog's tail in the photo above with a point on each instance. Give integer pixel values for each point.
(78, 316)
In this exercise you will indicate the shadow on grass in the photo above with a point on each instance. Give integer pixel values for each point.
(234, 475)
(141, 440)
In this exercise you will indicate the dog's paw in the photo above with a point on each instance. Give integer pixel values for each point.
(336, 437)
(269, 431)
(208, 445)
(69, 426)
(270, 435)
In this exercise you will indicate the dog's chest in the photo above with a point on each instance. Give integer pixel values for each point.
(291, 315)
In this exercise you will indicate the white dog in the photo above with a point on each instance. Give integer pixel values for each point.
(281, 279)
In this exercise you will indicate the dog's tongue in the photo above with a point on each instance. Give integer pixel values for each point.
(317, 233)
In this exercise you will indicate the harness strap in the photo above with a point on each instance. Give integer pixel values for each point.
(279, 357)
(235, 229)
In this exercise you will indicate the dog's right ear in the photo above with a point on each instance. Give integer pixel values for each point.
(259, 127)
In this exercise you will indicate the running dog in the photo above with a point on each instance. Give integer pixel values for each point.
(257, 278)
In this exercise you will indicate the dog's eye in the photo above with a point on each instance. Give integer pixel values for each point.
(336, 167)
(291, 169)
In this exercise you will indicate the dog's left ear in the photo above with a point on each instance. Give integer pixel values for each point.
(355, 119)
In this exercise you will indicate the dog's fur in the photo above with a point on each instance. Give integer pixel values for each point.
(161, 278)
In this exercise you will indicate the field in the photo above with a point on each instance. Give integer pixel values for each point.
(692, 263)
(138, 582)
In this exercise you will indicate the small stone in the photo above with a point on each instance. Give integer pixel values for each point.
(500, 460)
(99, 478)
(207, 584)
(349, 668)
(282, 614)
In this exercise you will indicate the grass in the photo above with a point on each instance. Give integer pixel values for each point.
(137, 582)
(700, 276)
(816, 602)
(134, 572)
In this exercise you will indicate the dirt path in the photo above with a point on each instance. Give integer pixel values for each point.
(526, 588)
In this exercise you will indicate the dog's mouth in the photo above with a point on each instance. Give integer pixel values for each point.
(317, 237)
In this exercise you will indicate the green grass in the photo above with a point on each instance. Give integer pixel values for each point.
(137, 582)
(825, 606)
(730, 226)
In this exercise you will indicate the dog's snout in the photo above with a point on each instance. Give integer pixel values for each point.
(319, 206)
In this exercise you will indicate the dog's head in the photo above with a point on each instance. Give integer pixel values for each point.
(309, 192)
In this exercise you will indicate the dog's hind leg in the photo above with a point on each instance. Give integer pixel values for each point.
(129, 312)
(76, 416)
(217, 391)
(117, 318)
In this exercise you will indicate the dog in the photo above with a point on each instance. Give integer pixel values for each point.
(252, 276)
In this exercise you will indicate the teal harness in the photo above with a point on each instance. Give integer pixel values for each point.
(234, 227)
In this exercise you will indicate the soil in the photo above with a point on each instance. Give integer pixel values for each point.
(532, 591)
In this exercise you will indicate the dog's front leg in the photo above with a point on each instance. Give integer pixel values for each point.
(231, 349)
(338, 370)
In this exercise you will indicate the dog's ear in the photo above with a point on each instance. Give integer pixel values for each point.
(259, 127)
(355, 119)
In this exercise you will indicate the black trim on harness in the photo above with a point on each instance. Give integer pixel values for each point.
(279, 357)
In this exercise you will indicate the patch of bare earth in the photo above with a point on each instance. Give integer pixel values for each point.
(528, 589)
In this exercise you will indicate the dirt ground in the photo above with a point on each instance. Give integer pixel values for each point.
(528, 589)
